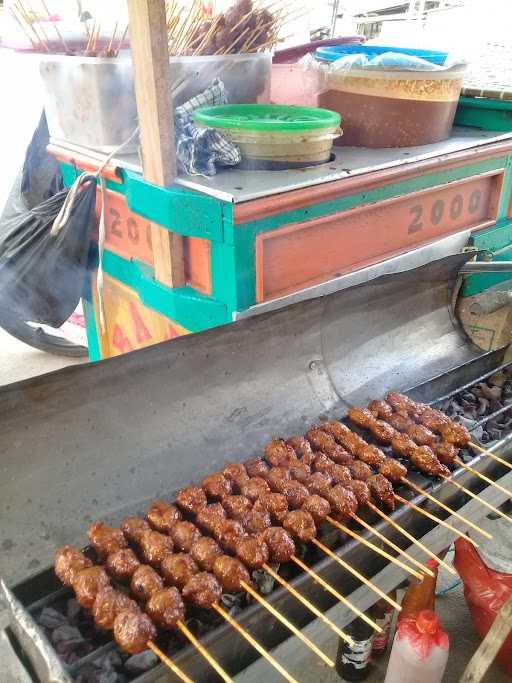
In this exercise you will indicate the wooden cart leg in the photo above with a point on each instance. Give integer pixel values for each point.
(490, 645)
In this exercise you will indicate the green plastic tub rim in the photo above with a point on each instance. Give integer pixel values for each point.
(266, 117)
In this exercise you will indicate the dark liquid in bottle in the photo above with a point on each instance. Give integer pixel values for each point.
(353, 661)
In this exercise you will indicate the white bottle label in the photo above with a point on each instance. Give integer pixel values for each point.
(359, 654)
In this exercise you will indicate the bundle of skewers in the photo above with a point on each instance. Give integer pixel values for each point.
(258, 516)
(93, 44)
(245, 27)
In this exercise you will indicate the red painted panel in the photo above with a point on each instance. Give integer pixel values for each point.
(307, 253)
(196, 252)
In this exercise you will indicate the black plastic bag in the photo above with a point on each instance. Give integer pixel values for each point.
(41, 275)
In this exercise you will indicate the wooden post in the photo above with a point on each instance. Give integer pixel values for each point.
(150, 54)
(490, 645)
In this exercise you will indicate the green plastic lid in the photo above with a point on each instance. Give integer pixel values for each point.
(266, 117)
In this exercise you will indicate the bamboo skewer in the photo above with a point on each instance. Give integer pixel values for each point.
(435, 519)
(264, 603)
(26, 18)
(168, 662)
(490, 454)
(121, 41)
(54, 23)
(373, 547)
(442, 505)
(469, 493)
(393, 545)
(314, 609)
(409, 536)
(109, 48)
(24, 28)
(483, 477)
(357, 574)
(202, 650)
(254, 643)
(341, 598)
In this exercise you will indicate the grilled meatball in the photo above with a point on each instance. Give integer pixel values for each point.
(322, 463)
(382, 490)
(254, 488)
(155, 546)
(205, 551)
(105, 539)
(166, 608)
(107, 605)
(301, 525)
(455, 433)
(340, 456)
(302, 449)
(296, 494)
(230, 573)
(393, 470)
(279, 454)
(403, 445)
(380, 409)
(133, 528)
(335, 428)
(122, 564)
(319, 483)
(273, 503)
(217, 486)
(400, 401)
(340, 474)
(68, 562)
(400, 422)
(279, 543)
(371, 455)
(145, 581)
(361, 492)
(133, 630)
(421, 435)
(184, 535)
(362, 417)
(321, 440)
(424, 459)
(300, 472)
(202, 590)
(446, 452)
(252, 552)
(86, 584)
(382, 431)
(343, 501)
(177, 569)
(236, 506)
(352, 442)
(236, 473)
(255, 521)
(277, 478)
(257, 467)
(228, 533)
(317, 507)
(191, 499)
(163, 516)
(433, 419)
(209, 516)
(360, 470)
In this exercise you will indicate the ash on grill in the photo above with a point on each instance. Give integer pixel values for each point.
(486, 399)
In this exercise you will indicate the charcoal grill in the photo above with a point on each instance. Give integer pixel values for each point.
(101, 441)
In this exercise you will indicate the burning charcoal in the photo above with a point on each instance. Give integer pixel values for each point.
(469, 397)
(50, 618)
(73, 610)
(264, 582)
(507, 391)
(483, 406)
(233, 601)
(477, 433)
(490, 392)
(497, 380)
(470, 409)
(455, 408)
(67, 634)
(138, 664)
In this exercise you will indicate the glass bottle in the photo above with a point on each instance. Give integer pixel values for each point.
(382, 615)
(353, 661)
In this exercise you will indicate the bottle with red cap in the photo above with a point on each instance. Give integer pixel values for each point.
(420, 650)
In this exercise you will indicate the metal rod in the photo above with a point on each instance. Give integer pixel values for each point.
(487, 374)
(486, 267)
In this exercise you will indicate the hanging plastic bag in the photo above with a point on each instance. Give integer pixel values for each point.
(42, 274)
